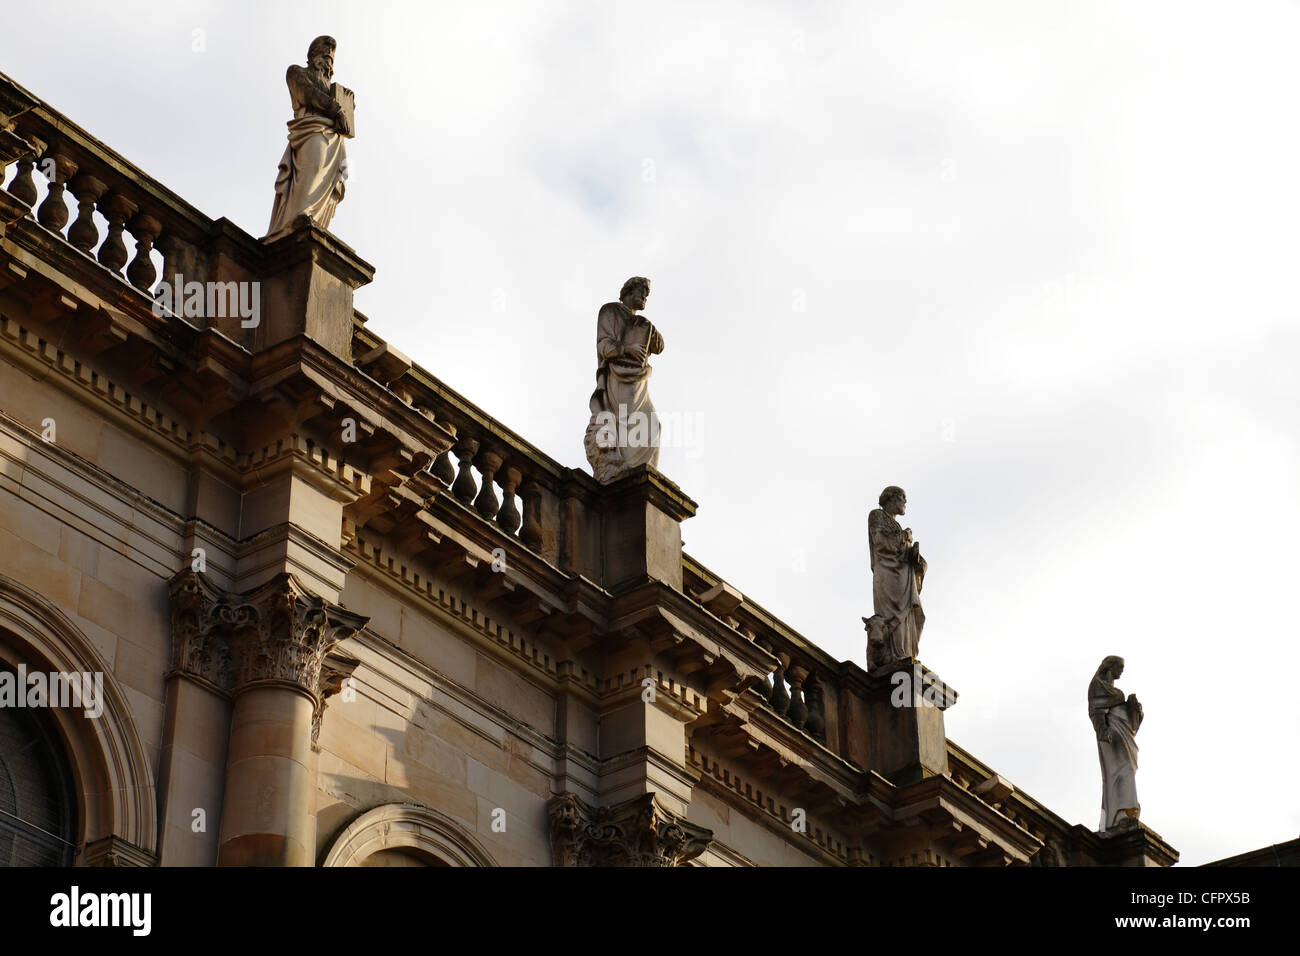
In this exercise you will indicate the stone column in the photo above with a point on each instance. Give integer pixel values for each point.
(266, 648)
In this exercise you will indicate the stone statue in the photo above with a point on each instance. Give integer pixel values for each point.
(897, 569)
(314, 167)
(1116, 721)
(624, 429)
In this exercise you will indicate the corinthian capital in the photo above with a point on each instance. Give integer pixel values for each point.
(637, 832)
(279, 632)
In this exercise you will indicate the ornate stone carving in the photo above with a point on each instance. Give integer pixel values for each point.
(334, 673)
(637, 832)
(314, 169)
(1116, 721)
(277, 632)
(624, 429)
(897, 570)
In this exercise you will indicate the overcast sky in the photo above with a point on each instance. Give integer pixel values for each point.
(1032, 261)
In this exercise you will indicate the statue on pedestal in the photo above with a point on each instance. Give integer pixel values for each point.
(898, 570)
(1116, 721)
(624, 429)
(314, 168)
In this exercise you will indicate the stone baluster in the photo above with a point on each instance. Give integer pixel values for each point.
(486, 504)
(443, 469)
(141, 273)
(508, 517)
(780, 699)
(464, 487)
(53, 212)
(531, 531)
(180, 259)
(798, 711)
(766, 687)
(816, 722)
(117, 209)
(23, 187)
(83, 233)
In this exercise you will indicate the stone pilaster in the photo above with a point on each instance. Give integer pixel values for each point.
(267, 649)
(637, 832)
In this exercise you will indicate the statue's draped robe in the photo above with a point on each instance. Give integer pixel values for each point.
(895, 586)
(623, 391)
(314, 167)
(1119, 760)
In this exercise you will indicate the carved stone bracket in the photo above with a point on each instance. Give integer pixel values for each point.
(637, 832)
(279, 632)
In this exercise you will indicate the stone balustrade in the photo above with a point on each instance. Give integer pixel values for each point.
(801, 688)
(489, 469)
(91, 198)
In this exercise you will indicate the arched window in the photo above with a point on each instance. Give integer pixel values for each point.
(406, 834)
(37, 803)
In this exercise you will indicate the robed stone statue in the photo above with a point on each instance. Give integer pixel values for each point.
(314, 168)
(897, 572)
(624, 429)
(1116, 720)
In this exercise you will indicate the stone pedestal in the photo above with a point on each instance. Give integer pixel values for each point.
(641, 530)
(905, 704)
(1140, 846)
(306, 289)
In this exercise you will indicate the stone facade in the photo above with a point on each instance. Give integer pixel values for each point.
(344, 617)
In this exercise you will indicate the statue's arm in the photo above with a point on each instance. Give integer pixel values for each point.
(656, 342)
(607, 343)
(881, 536)
(307, 90)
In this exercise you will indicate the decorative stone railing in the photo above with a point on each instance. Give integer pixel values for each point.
(93, 197)
(802, 688)
(490, 469)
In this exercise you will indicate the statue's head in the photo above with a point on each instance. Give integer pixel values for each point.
(894, 500)
(634, 293)
(320, 55)
(1112, 665)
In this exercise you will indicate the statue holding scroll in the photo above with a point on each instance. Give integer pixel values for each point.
(897, 571)
(624, 429)
(314, 169)
(1116, 720)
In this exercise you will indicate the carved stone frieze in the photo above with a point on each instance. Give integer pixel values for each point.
(278, 632)
(637, 832)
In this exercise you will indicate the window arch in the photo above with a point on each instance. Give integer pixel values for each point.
(406, 834)
(37, 800)
(109, 772)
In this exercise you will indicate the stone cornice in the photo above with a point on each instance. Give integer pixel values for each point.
(967, 818)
